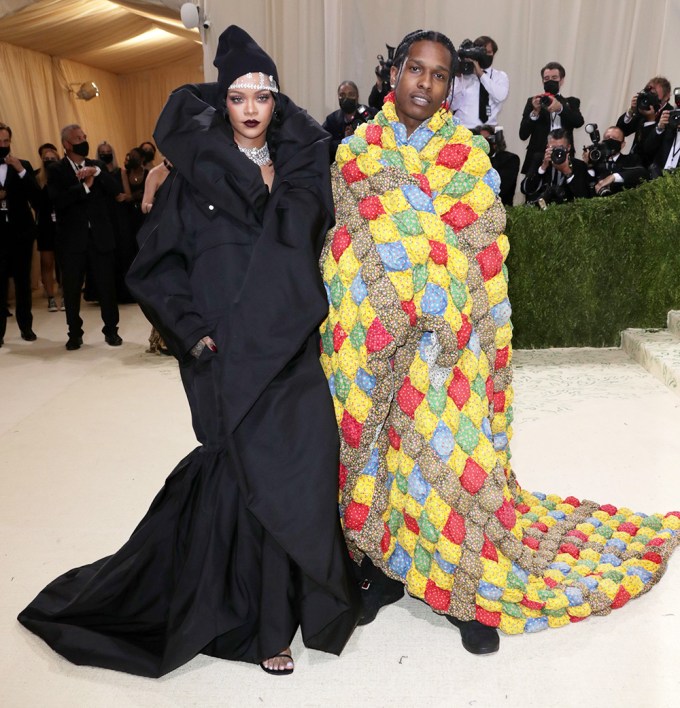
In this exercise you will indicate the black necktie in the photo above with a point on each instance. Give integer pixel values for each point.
(483, 103)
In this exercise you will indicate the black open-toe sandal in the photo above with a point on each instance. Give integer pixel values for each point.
(278, 672)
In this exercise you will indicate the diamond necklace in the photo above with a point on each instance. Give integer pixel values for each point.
(260, 156)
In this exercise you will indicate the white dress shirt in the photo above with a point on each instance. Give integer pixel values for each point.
(465, 103)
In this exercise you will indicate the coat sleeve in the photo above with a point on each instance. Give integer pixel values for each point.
(105, 180)
(159, 276)
(29, 185)
(629, 126)
(533, 183)
(571, 113)
(527, 126)
(63, 191)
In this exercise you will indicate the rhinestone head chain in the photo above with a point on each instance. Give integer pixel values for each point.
(256, 81)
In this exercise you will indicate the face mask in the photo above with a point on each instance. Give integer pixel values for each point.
(49, 162)
(348, 105)
(106, 158)
(132, 162)
(4, 151)
(552, 87)
(81, 148)
(613, 144)
(148, 155)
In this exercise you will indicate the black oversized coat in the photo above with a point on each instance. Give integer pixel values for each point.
(243, 544)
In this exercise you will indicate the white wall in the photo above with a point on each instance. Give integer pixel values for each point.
(609, 48)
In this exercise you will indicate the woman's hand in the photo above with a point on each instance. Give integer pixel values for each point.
(198, 348)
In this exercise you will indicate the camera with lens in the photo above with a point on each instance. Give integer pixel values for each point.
(546, 99)
(674, 119)
(469, 51)
(648, 99)
(674, 115)
(559, 155)
(598, 151)
(382, 71)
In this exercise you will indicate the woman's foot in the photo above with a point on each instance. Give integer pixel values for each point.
(280, 664)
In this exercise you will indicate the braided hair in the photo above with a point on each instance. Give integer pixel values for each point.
(401, 53)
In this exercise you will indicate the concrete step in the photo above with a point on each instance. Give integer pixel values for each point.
(657, 350)
(674, 323)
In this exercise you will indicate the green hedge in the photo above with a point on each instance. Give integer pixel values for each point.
(582, 272)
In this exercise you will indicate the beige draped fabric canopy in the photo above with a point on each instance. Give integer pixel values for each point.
(135, 51)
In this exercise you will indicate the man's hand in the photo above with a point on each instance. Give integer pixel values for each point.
(14, 162)
(477, 68)
(585, 156)
(633, 106)
(547, 158)
(86, 175)
(663, 120)
(555, 106)
(649, 114)
(536, 105)
(604, 183)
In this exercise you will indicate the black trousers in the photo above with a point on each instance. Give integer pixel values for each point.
(102, 268)
(15, 262)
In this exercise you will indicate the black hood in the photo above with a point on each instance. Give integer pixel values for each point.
(194, 135)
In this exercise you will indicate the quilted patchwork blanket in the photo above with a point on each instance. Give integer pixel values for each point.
(417, 351)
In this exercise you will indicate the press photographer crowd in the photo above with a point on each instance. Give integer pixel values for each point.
(88, 211)
(552, 172)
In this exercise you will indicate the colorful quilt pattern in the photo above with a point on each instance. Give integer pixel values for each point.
(417, 351)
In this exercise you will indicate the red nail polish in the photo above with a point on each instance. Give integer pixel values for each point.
(212, 347)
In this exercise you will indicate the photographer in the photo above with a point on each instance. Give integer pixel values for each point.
(610, 171)
(343, 122)
(504, 162)
(382, 80)
(643, 115)
(479, 91)
(548, 111)
(560, 177)
(664, 141)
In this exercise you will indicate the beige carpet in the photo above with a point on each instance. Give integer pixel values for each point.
(87, 438)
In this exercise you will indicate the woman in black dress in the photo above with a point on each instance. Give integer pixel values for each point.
(243, 543)
(119, 209)
(47, 227)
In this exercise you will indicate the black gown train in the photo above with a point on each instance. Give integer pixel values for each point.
(243, 543)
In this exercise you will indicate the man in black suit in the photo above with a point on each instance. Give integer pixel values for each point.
(548, 111)
(614, 172)
(343, 122)
(642, 117)
(560, 177)
(18, 192)
(85, 239)
(664, 143)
